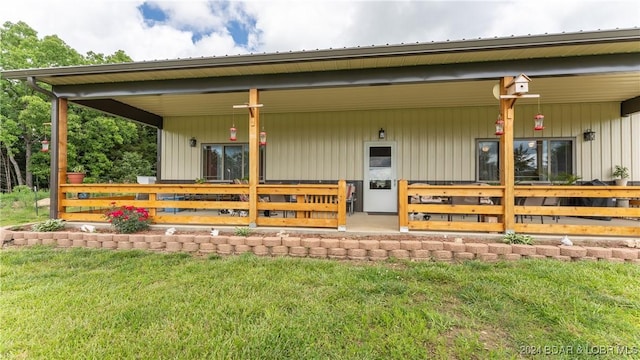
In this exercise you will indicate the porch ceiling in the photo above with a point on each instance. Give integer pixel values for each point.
(594, 88)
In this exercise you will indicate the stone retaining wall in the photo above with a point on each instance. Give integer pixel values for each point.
(322, 248)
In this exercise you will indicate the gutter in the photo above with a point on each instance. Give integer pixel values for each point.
(31, 81)
(55, 157)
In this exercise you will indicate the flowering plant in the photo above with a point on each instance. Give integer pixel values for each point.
(128, 219)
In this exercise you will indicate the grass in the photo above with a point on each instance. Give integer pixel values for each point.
(99, 304)
(19, 207)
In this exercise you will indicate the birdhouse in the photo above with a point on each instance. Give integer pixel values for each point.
(519, 85)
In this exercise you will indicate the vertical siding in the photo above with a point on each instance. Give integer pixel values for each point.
(436, 144)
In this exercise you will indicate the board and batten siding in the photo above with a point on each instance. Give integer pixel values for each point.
(435, 144)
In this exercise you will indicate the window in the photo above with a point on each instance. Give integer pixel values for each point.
(534, 159)
(226, 162)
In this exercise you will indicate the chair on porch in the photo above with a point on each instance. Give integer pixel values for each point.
(531, 201)
(464, 200)
(470, 200)
(552, 201)
(417, 199)
(351, 198)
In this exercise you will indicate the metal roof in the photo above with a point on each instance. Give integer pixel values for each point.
(565, 68)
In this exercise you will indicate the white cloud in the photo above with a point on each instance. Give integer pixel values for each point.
(107, 26)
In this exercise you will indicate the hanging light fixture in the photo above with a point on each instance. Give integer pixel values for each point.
(45, 145)
(499, 125)
(538, 119)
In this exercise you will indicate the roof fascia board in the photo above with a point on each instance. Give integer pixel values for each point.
(552, 40)
(630, 106)
(569, 66)
(118, 108)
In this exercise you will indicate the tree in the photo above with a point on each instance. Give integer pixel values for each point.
(95, 140)
(25, 112)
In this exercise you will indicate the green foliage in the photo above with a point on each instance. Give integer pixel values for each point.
(21, 189)
(131, 165)
(49, 225)
(79, 169)
(621, 172)
(242, 231)
(200, 180)
(513, 238)
(128, 219)
(94, 140)
(23, 197)
(566, 178)
(18, 207)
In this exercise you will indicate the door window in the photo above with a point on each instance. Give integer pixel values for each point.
(380, 171)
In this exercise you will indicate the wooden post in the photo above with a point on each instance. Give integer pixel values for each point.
(507, 166)
(62, 150)
(342, 205)
(403, 215)
(254, 156)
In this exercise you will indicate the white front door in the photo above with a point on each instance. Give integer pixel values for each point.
(380, 192)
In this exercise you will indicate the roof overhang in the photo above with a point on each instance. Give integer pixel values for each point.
(565, 68)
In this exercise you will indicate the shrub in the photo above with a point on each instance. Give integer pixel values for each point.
(49, 225)
(242, 231)
(514, 238)
(128, 219)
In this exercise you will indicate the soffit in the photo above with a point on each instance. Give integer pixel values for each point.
(578, 89)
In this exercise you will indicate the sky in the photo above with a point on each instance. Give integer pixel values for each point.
(178, 29)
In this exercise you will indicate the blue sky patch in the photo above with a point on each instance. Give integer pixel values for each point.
(152, 14)
(238, 28)
(239, 32)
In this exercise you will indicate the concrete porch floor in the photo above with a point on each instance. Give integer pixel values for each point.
(388, 224)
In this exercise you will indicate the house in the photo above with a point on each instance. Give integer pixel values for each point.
(380, 117)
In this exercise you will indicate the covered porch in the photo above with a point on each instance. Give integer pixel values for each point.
(426, 112)
(324, 206)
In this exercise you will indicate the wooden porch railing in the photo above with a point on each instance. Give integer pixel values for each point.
(321, 205)
(445, 215)
(436, 203)
(568, 197)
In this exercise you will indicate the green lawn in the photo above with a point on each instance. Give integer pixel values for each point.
(100, 304)
(19, 207)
